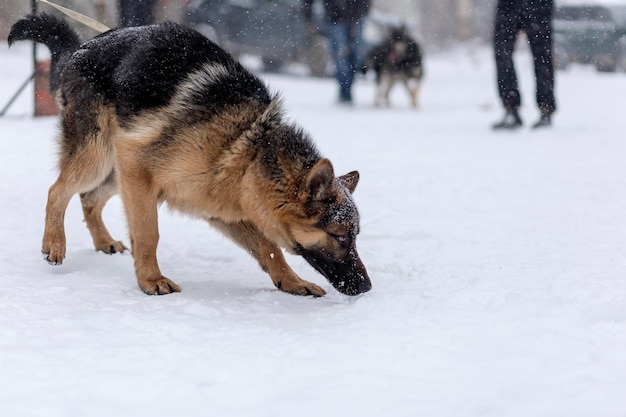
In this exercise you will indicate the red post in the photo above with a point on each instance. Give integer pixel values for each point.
(44, 102)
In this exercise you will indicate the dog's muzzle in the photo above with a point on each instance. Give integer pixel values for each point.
(348, 275)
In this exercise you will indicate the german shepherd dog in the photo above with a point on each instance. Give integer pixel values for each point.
(162, 114)
(397, 59)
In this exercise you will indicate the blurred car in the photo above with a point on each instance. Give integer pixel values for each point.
(590, 34)
(275, 31)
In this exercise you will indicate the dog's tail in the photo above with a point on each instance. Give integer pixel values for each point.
(51, 31)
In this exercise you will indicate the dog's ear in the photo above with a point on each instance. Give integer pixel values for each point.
(320, 180)
(350, 180)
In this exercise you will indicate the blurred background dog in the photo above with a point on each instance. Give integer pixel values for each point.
(397, 59)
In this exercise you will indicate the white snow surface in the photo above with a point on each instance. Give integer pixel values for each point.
(498, 263)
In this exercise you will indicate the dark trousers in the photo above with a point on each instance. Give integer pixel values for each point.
(346, 48)
(538, 27)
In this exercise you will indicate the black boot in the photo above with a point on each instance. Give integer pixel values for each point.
(544, 121)
(510, 121)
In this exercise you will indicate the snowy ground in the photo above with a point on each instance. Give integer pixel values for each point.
(498, 262)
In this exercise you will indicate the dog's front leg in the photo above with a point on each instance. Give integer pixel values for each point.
(141, 203)
(141, 210)
(270, 257)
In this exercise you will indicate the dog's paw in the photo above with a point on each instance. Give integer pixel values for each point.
(159, 286)
(300, 287)
(54, 253)
(112, 247)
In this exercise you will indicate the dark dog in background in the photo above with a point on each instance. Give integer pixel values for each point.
(159, 114)
(397, 59)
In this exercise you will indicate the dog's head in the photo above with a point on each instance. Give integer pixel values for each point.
(326, 236)
(399, 44)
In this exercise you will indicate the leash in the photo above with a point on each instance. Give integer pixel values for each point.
(85, 20)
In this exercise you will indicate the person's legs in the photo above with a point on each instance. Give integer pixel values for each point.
(540, 38)
(339, 39)
(506, 28)
(505, 34)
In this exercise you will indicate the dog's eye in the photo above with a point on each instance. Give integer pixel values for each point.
(343, 240)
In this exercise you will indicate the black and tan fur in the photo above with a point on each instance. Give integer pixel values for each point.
(397, 59)
(161, 114)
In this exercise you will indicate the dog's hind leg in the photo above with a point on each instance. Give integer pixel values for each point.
(269, 256)
(77, 175)
(384, 88)
(86, 158)
(93, 203)
(59, 196)
(413, 87)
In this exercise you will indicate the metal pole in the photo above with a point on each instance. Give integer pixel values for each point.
(33, 10)
(16, 95)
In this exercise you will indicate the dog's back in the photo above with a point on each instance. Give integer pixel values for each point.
(137, 72)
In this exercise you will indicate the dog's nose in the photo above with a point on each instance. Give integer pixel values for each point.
(366, 285)
(356, 285)
(359, 281)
